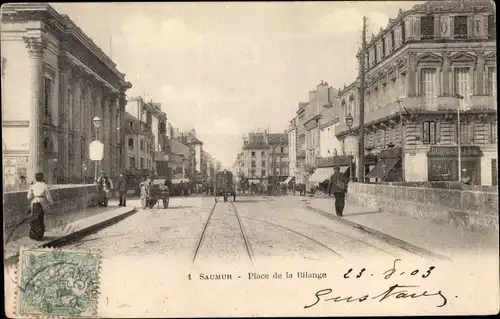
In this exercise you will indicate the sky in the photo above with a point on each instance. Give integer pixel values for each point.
(227, 68)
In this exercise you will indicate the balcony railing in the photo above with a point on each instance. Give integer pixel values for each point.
(418, 104)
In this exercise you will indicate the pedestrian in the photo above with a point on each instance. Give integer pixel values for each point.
(39, 195)
(338, 186)
(122, 190)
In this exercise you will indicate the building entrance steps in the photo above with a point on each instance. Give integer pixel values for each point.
(64, 228)
(444, 240)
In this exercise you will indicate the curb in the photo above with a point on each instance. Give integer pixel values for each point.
(385, 237)
(76, 235)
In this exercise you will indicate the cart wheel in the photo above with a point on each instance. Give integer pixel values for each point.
(152, 203)
(166, 201)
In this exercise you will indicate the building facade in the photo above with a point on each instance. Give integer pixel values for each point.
(256, 154)
(139, 135)
(292, 149)
(278, 156)
(429, 63)
(68, 81)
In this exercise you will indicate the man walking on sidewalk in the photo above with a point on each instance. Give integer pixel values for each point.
(122, 190)
(338, 186)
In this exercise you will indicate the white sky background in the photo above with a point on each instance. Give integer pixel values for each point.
(227, 68)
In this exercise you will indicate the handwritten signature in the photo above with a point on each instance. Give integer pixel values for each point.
(394, 292)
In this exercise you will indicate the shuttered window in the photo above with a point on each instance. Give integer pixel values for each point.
(461, 85)
(429, 133)
(429, 86)
(492, 82)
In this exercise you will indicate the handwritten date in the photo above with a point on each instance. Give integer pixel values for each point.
(388, 273)
(394, 292)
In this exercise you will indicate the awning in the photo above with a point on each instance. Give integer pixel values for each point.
(383, 167)
(320, 174)
(179, 180)
(288, 179)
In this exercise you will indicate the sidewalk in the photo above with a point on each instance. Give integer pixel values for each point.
(444, 240)
(66, 228)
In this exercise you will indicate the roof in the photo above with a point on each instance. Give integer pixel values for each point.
(179, 148)
(277, 138)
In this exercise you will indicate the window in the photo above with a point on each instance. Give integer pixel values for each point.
(493, 133)
(460, 27)
(263, 154)
(429, 133)
(492, 30)
(492, 82)
(461, 85)
(253, 154)
(253, 163)
(427, 27)
(48, 99)
(131, 125)
(142, 145)
(428, 86)
(384, 46)
(466, 133)
(282, 149)
(131, 143)
(263, 164)
(403, 33)
(263, 173)
(392, 43)
(142, 163)
(397, 38)
(131, 161)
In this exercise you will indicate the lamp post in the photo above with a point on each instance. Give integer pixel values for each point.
(402, 137)
(97, 125)
(349, 121)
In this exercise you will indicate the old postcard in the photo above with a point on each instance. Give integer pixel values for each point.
(237, 159)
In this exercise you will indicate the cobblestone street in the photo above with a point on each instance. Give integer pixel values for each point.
(279, 227)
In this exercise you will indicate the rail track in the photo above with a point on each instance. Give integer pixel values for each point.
(247, 246)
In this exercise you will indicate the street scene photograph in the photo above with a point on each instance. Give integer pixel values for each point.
(279, 158)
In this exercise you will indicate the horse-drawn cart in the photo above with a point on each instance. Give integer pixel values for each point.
(158, 190)
(224, 185)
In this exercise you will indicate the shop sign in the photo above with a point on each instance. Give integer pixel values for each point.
(341, 160)
(390, 153)
(452, 151)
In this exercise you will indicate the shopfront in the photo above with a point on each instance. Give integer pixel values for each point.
(443, 163)
(325, 167)
(388, 167)
(370, 162)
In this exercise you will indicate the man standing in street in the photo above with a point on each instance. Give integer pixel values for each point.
(122, 190)
(338, 186)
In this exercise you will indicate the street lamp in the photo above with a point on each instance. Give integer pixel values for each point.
(349, 121)
(97, 125)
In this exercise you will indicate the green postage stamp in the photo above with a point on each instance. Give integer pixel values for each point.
(57, 283)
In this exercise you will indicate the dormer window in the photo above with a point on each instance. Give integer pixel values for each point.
(460, 27)
(427, 27)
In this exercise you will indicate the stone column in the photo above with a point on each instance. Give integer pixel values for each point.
(479, 74)
(112, 137)
(446, 74)
(66, 118)
(36, 46)
(122, 101)
(411, 75)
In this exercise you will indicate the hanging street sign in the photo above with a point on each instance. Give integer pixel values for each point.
(96, 151)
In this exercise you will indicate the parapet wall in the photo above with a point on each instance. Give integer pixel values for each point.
(470, 210)
(67, 199)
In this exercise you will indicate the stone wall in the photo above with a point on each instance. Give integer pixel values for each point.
(466, 209)
(67, 199)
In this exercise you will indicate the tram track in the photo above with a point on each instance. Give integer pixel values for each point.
(244, 237)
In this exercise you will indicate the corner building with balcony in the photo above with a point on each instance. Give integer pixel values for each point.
(429, 63)
(55, 80)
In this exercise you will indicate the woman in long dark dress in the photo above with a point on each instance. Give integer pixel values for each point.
(39, 195)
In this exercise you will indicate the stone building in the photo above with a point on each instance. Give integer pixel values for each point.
(141, 140)
(292, 149)
(278, 159)
(55, 81)
(256, 153)
(440, 57)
